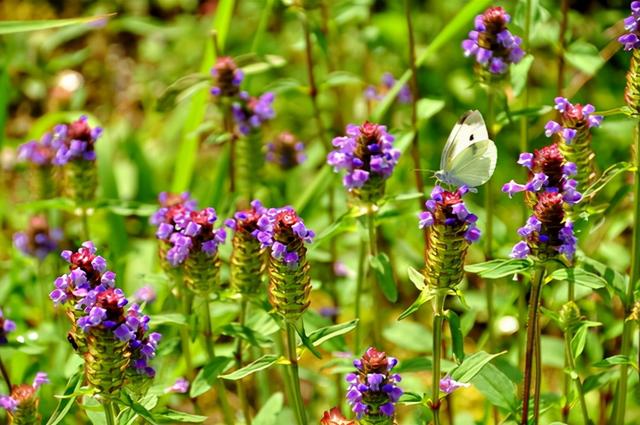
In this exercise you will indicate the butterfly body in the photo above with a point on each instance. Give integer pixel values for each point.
(469, 156)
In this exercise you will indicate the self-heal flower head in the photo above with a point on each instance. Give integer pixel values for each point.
(249, 113)
(449, 385)
(142, 343)
(335, 417)
(285, 233)
(286, 151)
(75, 141)
(631, 39)
(373, 391)
(22, 403)
(576, 120)
(386, 83)
(448, 209)
(550, 192)
(549, 171)
(492, 44)
(227, 77)
(38, 240)
(367, 155)
(6, 326)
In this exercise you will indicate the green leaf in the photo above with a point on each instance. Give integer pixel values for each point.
(66, 402)
(613, 361)
(519, 74)
(409, 335)
(262, 363)
(578, 276)
(268, 415)
(409, 398)
(181, 89)
(134, 405)
(424, 297)
(497, 388)
(604, 179)
(472, 365)
(12, 27)
(207, 375)
(306, 342)
(252, 337)
(427, 108)
(453, 29)
(319, 336)
(188, 149)
(168, 319)
(417, 364)
(496, 269)
(416, 278)
(317, 187)
(584, 56)
(580, 337)
(384, 276)
(345, 223)
(173, 416)
(341, 78)
(268, 62)
(457, 340)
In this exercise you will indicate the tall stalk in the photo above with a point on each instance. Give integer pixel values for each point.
(373, 251)
(242, 391)
(5, 375)
(358, 301)
(211, 351)
(438, 316)
(532, 323)
(572, 367)
(109, 412)
(295, 375)
(488, 234)
(185, 301)
(415, 95)
(621, 394)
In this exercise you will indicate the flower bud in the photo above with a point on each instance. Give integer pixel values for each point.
(286, 151)
(38, 240)
(22, 403)
(227, 77)
(335, 417)
(569, 315)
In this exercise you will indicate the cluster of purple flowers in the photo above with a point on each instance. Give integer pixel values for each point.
(286, 151)
(66, 142)
(251, 112)
(6, 326)
(248, 220)
(227, 77)
(631, 40)
(491, 43)
(373, 389)
(186, 229)
(38, 240)
(366, 151)
(281, 230)
(448, 208)
(90, 288)
(550, 188)
(574, 118)
(23, 393)
(387, 82)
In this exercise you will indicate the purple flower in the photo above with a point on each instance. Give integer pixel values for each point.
(520, 250)
(75, 141)
(146, 294)
(448, 208)
(491, 43)
(286, 151)
(283, 224)
(387, 82)
(250, 113)
(630, 40)
(181, 386)
(6, 326)
(40, 379)
(449, 385)
(38, 240)
(576, 120)
(8, 403)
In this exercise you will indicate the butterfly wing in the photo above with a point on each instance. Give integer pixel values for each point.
(474, 165)
(469, 129)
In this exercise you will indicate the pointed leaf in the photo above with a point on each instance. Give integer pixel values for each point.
(416, 278)
(457, 340)
(384, 276)
(319, 336)
(496, 269)
(173, 416)
(66, 402)
(424, 297)
(262, 363)
(579, 276)
(12, 27)
(606, 176)
(268, 415)
(134, 405)
(497, 388)
(207, 375)
(472, 365)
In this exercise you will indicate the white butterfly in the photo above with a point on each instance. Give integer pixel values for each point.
(469, 156)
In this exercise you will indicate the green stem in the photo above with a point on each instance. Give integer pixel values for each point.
(537, 383)
(85, 223)
(358, 301)
(438, 316)
(295, 375)
(185, 299)
(415, 96)
(567, 379)
(211, 351)
(286, 371)
(572, 368)
(5, 375)
(536, 287)
(488, 234)
(228, 129)
(109, 412)
(373, 251)
(621, 394)
(242, 392)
